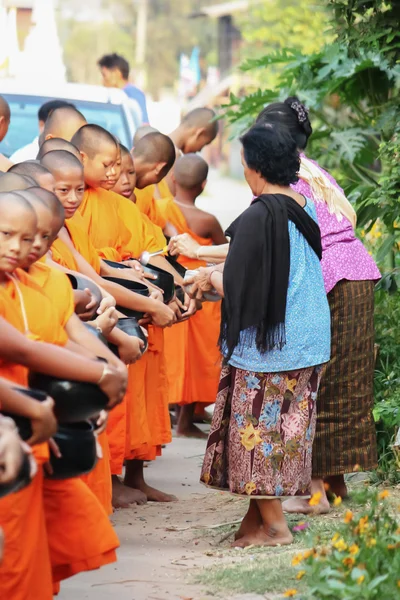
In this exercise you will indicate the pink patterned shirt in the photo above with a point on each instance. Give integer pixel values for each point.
(343, 254)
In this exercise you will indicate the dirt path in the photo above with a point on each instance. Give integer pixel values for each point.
(162, 546)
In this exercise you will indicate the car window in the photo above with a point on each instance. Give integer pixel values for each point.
(24, 123)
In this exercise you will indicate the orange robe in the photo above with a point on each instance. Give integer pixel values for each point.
(148, 205)
(71, 508)
(25, 572)
(203, 360)
(106, 216)
(112, 442)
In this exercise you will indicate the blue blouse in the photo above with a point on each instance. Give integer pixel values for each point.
(308, 326)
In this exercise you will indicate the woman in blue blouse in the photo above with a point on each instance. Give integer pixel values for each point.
(275, 335)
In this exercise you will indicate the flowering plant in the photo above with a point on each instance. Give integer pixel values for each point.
(362, 560)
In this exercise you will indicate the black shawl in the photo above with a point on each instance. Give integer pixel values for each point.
(256, 272)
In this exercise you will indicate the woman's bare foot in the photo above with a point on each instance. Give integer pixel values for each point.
(251, 522)
(264, 536)
(337, 486)
(123, 496)
(303, 506)
(134, 478)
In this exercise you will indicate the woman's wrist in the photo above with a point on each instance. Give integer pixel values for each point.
(198, 252)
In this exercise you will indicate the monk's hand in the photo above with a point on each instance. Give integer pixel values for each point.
(130, 349)
(162, 315)
(11, 451)
(137, 267)
(157, 295)
(183, 244)
(44, 423)
(107, 302)
(107, 321)
(175, 305)
(55, 450)
(113, 383)
(85, 304)
(101, 422)
(191, 305)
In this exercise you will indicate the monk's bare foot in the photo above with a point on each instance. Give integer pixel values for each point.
(302, 506)
(123, 496)
(154, 495)
(265, 536)
(337, 486)
(191, 431)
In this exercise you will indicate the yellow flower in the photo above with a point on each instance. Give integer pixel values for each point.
(250, 487)
(349, 561)
(348, 517)
(383, 495)
(398, 583)
(296, 560)
(290, 384)
(371, 542)
(250, 437)
(360, 579)
(315, 498)
(337, 501)
(300, 574)
(290, 593)
(308, 553)
(354, 549)
(363, 524)
(340, 545)
(335, 537)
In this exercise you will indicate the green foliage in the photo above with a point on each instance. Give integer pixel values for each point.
(362, 560)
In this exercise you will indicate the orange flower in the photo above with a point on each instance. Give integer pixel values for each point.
(337, 501)
(354, 549)
(296, 560)
(349, 561)
(384, 494)
(300, 574)
(290, 593)
(348, 517)
(315, 499)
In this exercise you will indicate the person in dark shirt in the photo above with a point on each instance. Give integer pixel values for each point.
(115, 72)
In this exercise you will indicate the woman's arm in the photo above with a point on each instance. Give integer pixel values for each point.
(186, 245)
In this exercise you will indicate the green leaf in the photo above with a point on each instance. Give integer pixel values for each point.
(348, 142)
(385, 248)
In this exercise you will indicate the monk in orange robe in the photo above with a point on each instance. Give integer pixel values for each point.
(202, 362)
(64, 501)
(69, 187)
(104, 212)
(5, 116)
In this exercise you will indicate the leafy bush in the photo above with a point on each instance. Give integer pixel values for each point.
(362, 560)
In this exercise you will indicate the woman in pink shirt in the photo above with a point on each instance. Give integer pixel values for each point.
(345, 438)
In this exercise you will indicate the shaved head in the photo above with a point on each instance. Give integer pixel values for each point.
(10, 182)
(89, 138)
(50, 200)
(124, 150)
(57, 144)
(4, 109)
(63, 123)
(155, 148)
(9, 200)
(142, 131)
(31, 168)
(201, 118)
(33, 198)
(57, 160)
(190, 171)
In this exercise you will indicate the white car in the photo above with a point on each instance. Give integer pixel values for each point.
(109, 107)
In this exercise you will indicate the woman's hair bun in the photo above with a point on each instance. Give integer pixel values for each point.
(301, 112)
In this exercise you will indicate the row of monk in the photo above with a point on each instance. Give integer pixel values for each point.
(108, 338)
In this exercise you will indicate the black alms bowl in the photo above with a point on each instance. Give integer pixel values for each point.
(20, 482)
(23, 423)
(73, 400)
(82, 283)
(130, 326)
(163, 280)
(133, 286)
(77, 444)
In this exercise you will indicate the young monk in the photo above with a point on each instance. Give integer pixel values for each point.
(25, 572)
(104, 212)
(196, 130)
(10, 182)
(63, 123)
(57, 144)
(5, 117)
(33, 169)
(71, 510)
(202, 364)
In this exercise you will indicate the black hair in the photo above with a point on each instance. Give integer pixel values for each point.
(115, 61)
(48, 107)
(292, 114)
(272, 152)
